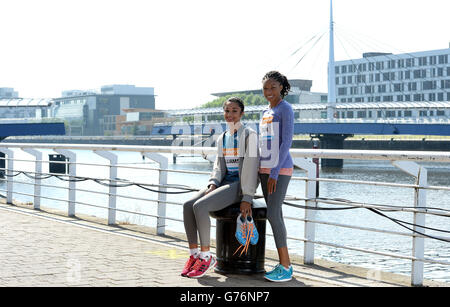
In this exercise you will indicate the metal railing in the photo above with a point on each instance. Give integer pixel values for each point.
(405, 161)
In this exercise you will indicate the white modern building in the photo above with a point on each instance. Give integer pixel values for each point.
(386, 77)
(8, 92)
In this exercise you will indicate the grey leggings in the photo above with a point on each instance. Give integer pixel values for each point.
(274, 202)
(196, 210)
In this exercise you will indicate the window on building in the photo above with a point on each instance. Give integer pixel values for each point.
(409, 62)
(412, 86)
(382, 88)
(361, 114)
(423, 61)
(418, 97)
(443, 59)
(349, 114)
(423, 113)
(440, 113)
(433, 60)
(390, 113)
(445, 84)
(429, 85)
(417, 74)
(342, 91)
(407, 113)
(440, 97)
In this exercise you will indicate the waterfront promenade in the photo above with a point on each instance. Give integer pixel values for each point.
(44, 249)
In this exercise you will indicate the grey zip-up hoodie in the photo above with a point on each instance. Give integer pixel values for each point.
(248, 163)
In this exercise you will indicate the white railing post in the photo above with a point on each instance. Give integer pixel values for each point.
(310, 193)
(38, 172)
(163, 165)
(418, 246)
(112, 189)
(72, 174)
(9, 173)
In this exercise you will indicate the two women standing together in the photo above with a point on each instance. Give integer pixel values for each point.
(241, 161)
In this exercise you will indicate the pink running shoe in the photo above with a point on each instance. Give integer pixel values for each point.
(188, 266)
(202, 266)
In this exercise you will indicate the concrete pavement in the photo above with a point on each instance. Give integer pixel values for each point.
(39, 248)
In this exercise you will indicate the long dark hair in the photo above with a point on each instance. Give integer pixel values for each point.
(275, 75)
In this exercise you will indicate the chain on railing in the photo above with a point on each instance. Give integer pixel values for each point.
(405, 161)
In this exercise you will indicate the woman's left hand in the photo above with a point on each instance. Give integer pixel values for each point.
(271, 185)
(246, 209)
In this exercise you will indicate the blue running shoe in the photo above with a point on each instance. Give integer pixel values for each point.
(279, 274)
(253, 232)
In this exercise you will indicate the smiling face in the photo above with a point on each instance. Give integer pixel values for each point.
(272, 91)
(232, 112)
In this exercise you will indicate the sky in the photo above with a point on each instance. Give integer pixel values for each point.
(188, 49)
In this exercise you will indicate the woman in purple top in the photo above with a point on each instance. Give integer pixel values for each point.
(276, 165)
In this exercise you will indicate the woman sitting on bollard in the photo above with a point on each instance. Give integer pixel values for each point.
(234, 179)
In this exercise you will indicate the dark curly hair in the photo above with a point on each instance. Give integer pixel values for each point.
(275, 75)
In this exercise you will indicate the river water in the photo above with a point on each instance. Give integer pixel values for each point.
(438, 175)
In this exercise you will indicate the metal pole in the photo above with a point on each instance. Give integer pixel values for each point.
(163, 165)
(112, 189)
(310, 193)
(9, 173)
(72, 174)
(38, 172)
(418, 244)
(331, 108)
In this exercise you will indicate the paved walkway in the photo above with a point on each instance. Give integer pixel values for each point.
(42, 249)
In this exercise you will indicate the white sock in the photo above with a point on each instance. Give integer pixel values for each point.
(205, 255)
(194, 252)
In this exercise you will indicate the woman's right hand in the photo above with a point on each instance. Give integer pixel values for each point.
(211, 188)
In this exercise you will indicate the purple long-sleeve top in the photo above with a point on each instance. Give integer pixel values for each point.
(276, 126)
